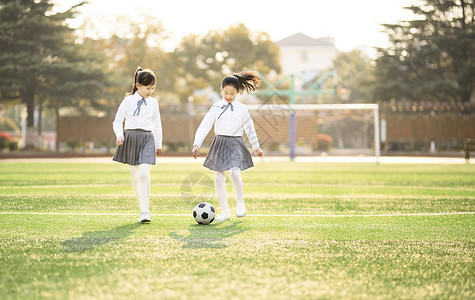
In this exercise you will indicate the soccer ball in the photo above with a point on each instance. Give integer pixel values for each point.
(204, 213)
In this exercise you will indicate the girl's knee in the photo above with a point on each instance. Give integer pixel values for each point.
(143, 171)
(143, 176)
(235, 173)
(219, 177)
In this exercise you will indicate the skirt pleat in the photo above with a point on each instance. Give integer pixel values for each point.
(228, 152)
(138, 148)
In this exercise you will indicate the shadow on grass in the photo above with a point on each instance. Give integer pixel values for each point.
(207, 236)
(91, 239)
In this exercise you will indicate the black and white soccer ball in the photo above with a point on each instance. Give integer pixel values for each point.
(204, 213)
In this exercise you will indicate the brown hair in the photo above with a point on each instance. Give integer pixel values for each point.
(144, 77)
(244, 81)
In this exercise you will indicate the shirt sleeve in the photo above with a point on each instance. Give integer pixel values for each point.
(157, 128)
(205, 127)
(117, 124)
(248, 125)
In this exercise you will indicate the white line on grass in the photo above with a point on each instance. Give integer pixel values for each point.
(264, 195)
(83, 214)
(413, 187)
(250, 215)
(376, 215)
(78, 185)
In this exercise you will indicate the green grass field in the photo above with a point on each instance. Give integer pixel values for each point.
(69, 230)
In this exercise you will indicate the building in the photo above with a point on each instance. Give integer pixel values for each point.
(306, 56)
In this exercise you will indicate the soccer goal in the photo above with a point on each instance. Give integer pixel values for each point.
(318, 129)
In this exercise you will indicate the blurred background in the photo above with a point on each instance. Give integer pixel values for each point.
(65, 66)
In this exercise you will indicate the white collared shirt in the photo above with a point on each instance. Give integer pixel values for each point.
(231, 122)
(148, 118)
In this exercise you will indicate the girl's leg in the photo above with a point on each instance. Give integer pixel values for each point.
(134, 170)
(235, 174)
(144, 187)
(141, 183)
(220, 185)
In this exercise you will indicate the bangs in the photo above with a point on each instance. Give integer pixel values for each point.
(231, 80)
(146, 78)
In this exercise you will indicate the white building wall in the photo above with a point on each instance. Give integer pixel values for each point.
(301, 59)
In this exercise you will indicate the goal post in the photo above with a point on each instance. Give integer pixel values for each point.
(318, 129)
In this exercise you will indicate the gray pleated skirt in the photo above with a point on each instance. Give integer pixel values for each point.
(138, 148)
(228, 152)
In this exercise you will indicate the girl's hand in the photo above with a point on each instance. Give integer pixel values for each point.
(260, 152)
(158, 151)
(195, 151)
(119, 141)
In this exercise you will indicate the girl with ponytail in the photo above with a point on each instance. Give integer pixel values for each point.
(140, 138)
(228, 151)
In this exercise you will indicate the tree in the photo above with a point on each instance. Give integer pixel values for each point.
(355, 75)
(40, 58)
(203, 61)
(135, 44)
(431, 58)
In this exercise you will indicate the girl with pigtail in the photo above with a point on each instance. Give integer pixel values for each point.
(228, 151)
(140, 138)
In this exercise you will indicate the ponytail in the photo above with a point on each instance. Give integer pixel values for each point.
(144, 77)
(244, 81)
(134, 87)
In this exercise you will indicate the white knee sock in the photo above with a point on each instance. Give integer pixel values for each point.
(144, 186)
(141, 183)
(134, 171)
(220, 185)
(235, 174)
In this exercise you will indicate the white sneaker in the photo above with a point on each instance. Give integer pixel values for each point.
(240, 211)
(222, 217)
(145, 217)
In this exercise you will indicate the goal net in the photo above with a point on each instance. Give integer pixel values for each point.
(317, 129)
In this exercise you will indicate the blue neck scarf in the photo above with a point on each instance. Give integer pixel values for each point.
(225, 106)
(139, 103)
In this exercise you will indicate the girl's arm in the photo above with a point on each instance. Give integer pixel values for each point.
(157, 129)
(117, 124)
(195, 151)
(205, 127)
(250, 131)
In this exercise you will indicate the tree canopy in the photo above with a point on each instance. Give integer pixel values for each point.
(204, 60)
(40, 59)
(355, 75)
(198, 62)
(431, 58)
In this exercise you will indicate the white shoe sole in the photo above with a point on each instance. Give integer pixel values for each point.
(240, 211)
(145, 219)
(218, 219)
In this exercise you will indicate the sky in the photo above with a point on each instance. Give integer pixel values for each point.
(355, 24)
